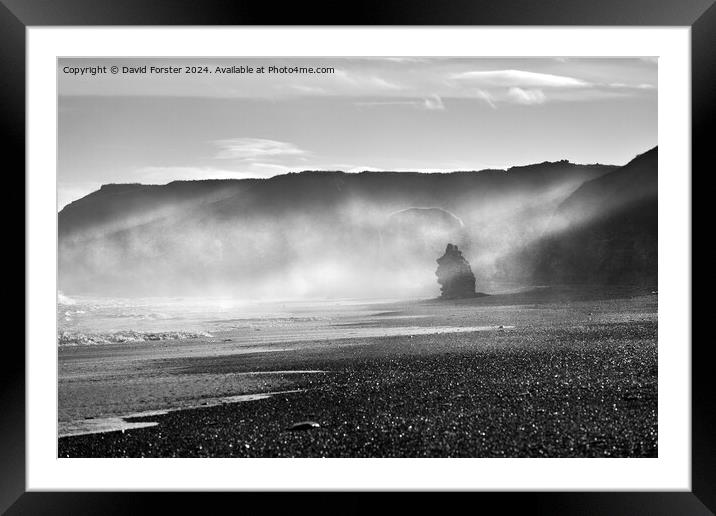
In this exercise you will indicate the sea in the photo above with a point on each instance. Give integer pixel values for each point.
(94, 321)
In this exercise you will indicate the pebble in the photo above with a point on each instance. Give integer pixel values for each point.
(304, 425)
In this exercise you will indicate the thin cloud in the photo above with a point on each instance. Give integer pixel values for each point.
(642, 86)
(431, 103)
(388, 103)
(526, 96)
(406, 59)
(434, 102)
(364, 82)
(485, 95)
(409, 81)
(308, 90)
(519, 79)
(251, 149)
(167, 174)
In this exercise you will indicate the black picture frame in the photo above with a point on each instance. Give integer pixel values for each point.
(17, 15)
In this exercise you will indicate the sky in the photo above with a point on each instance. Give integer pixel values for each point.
(393, 113)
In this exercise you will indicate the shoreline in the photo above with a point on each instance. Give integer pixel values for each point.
(568, 380)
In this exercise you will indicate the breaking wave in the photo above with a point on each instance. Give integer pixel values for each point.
(64, 300)
(72, 338)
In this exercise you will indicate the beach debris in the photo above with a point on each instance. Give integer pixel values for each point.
(455, 275)
(304, 425)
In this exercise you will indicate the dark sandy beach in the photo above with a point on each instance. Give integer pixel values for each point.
(548, 373)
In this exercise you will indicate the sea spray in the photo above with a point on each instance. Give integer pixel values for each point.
(71, 338)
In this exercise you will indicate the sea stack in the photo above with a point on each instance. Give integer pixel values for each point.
(455, 275)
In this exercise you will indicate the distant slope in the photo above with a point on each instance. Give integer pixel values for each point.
(311, 233)
(119, 206)
(607, 230)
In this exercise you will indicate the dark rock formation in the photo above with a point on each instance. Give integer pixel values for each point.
(455, 275)
(607, 231)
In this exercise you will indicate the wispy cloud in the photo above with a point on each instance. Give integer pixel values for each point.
(519, 79)
(431, 103)
(167, 174)
(485, 95)
(406, 59)
(364, 82)
(642, 86)
(422, 83)
(526, 88)
(251, 149)
(526, 96)
(241, 158)
(434, 102)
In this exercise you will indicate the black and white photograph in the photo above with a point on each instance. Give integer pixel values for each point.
(389, 257)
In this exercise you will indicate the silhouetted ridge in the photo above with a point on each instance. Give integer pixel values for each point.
(607, 230)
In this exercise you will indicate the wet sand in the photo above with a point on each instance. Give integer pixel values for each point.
(552, 372)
